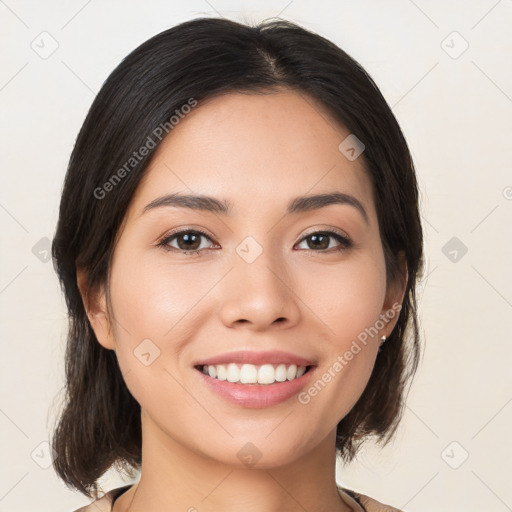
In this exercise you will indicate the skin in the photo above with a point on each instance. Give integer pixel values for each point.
(258, 152)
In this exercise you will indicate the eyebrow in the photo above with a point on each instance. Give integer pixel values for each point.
(297, 205)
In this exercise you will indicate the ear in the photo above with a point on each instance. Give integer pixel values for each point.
(95, 305)
(394, 296)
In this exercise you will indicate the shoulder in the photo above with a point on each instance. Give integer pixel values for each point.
(369, 504)
(104, 504)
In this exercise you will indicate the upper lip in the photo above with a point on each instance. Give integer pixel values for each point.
(256, 358)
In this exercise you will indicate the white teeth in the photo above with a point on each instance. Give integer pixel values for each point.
(221, 373)
(281, 373)
(266, 374)
(252, 374)
(233, 373)
(248, 374)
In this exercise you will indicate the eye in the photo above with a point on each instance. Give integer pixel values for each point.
(320, 240)
(189, 241)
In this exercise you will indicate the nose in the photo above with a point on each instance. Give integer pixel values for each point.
(259, 294)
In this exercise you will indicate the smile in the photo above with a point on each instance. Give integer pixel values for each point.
(271, 391)
(254, 374)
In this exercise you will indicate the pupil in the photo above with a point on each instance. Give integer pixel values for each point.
(188, 238)
(322, 246)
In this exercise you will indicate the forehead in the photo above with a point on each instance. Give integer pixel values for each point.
(256, 150)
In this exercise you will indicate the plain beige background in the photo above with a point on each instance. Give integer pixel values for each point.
(445, 68)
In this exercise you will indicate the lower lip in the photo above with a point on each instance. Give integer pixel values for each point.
(256, 396)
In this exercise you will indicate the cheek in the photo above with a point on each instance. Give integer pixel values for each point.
(349, 304)
(350, 298)
(150, 297)
(158, 309)
(150, 305)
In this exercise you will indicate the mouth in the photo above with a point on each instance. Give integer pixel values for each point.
(256, 375)
(252, 386)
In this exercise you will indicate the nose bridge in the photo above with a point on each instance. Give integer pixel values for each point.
(257, 267)
(257, 288)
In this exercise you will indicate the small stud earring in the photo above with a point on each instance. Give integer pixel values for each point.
(382, 339)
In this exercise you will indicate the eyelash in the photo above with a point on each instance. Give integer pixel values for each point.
(345, 242)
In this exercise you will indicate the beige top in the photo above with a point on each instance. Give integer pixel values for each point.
(358, 502)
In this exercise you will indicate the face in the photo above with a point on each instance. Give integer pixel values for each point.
(310, 282)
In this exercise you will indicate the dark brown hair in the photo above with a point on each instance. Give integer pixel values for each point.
(100, 425)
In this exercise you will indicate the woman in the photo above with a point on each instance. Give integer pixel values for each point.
(238, 242)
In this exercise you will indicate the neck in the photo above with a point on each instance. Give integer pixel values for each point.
(175, 477)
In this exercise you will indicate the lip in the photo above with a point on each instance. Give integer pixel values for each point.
(256, 358)
(256, 396)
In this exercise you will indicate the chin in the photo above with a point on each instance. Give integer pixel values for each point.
(260, 454)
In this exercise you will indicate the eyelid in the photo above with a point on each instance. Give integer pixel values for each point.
(311, 231)
(184, 229)
(345, 242)
(326, 229)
